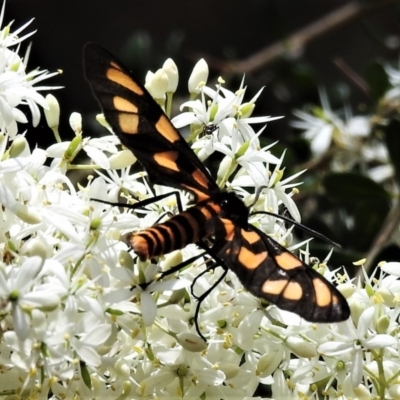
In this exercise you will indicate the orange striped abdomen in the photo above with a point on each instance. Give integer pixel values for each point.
(190, 226)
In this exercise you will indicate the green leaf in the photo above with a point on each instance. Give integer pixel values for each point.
(377, 79)
(368, 219)
(86, 375)
(348, 189)
(113, 311)
(366, 203)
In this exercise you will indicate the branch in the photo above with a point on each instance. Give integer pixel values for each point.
(296, 42)
(352, 75)
(391, 223)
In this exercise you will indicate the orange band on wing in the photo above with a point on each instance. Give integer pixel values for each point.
(251, 260)
(323, 294)
(288, 261)
(128, 123)
(251, 236)
(116, 75)
(289, 290)
(124, 105)
(166, 129)
(167, 159)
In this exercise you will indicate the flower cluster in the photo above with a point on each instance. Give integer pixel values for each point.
(80, 317)
(16, 84)
(349, 141)
(325, 129)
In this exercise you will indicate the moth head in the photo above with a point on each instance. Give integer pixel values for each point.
(233, 208)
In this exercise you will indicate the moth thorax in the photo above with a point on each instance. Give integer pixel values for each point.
(233, 208)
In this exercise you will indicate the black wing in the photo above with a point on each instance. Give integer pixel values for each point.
(269, 271)
(142, 126)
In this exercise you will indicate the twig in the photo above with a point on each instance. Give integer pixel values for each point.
(391, 223)
(352, 75)
(299, 39)
(319, 163)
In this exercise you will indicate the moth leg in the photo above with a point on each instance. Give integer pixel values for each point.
(145, 202)
(258, 194)
(208, 269)
(201, 298)
(217, 262)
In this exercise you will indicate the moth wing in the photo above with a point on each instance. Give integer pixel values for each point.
(269, 271)
(142, 126)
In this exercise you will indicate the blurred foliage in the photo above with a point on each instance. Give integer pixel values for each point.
(349, 203)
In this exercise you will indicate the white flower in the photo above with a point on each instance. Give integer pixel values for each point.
(394, 79)
(17, 85)
(322, 127)
(249, 157)
(354, 341)
(224, 112)
(143, 289)
(19, 291)
(9, 39)
(392, 268)
(318, 126)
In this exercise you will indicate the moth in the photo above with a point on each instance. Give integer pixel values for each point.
(265, 268)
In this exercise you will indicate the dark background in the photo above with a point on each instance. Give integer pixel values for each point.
(227, 33)
(144, 33)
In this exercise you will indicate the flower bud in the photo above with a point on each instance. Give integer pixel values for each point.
(37, 247)
(347, 289)
(75, 121)
(224, 167)
(362, 393)
(177, 296)
(268, 363)
(301, 348)
(198, 77)
(171, 70)
(213, 111)
(157, 84)
(52, 113)
(95, 223)
(383, 324)
(76, 141)
(101, 119)
(229, 369)
(242, 149)
(246, 110)
(394, 392)
(387, 296)
(172, 259)
(356, 308)
(19, 144)
(122, 368)
(122, 159)
(27, 214)
(191, 342)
